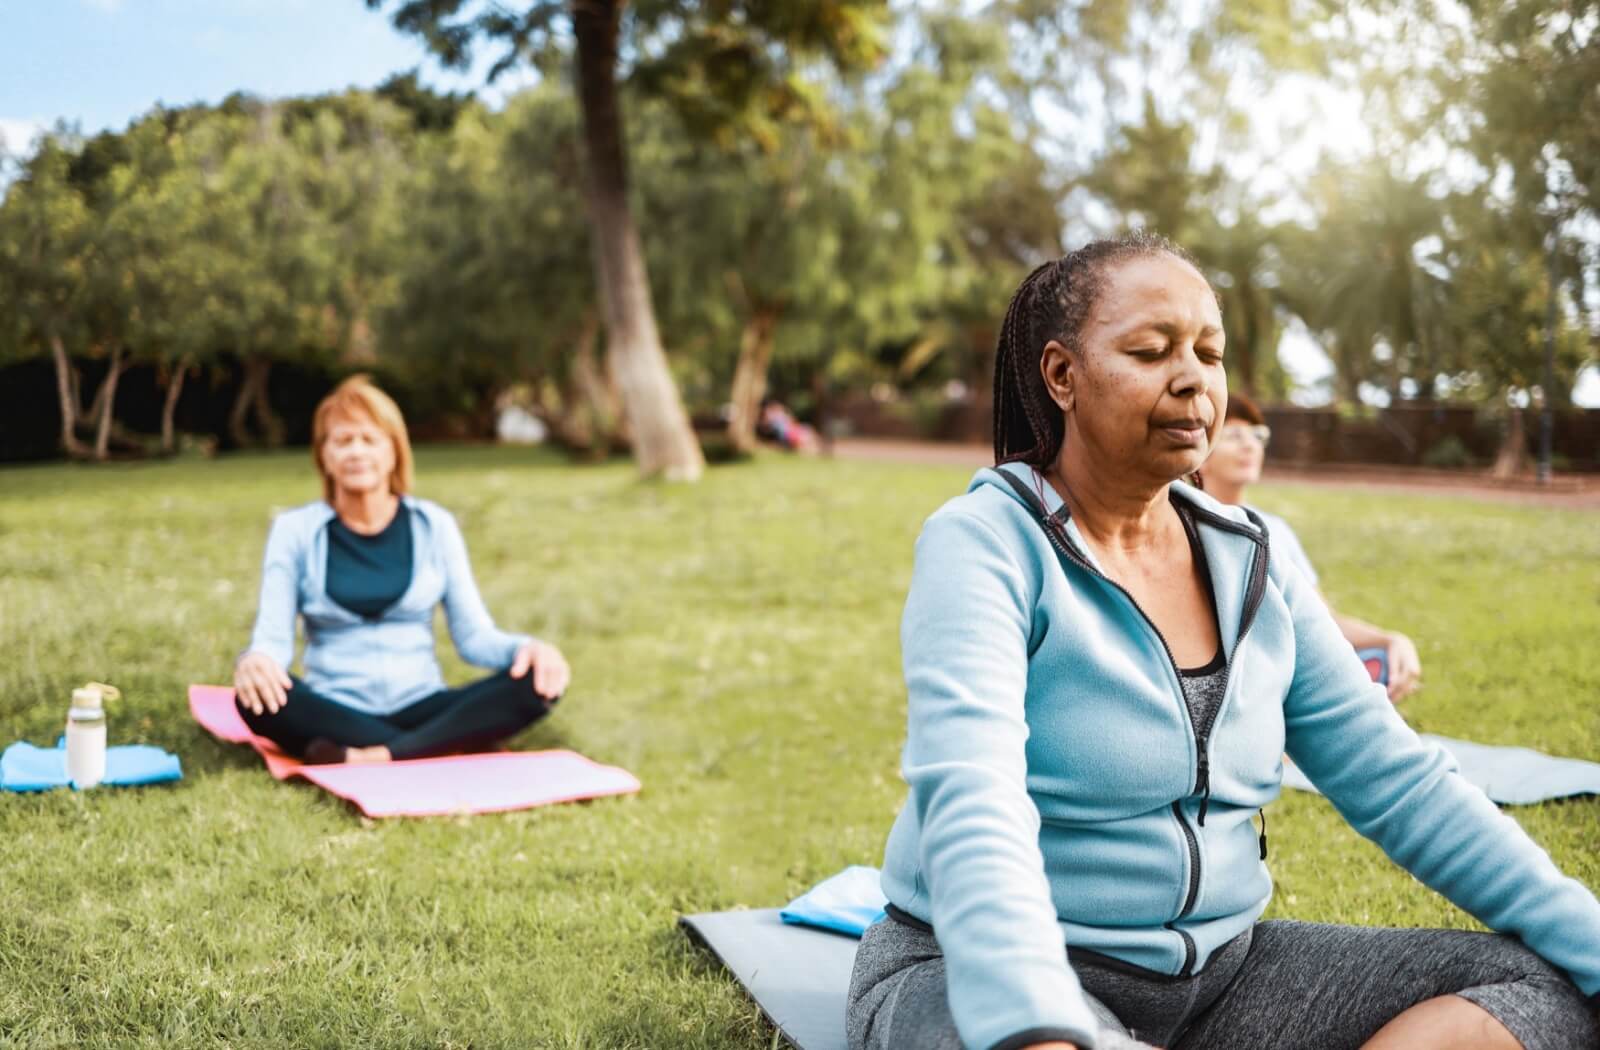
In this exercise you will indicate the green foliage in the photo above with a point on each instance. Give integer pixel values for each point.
(734, 646)
(1448, 452)
(491, 267)
(730, 70)
(46, 238)
(1420, 266)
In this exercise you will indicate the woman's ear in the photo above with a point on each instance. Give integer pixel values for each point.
(1056, 366)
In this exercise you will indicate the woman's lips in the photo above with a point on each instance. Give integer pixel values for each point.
(1184, 432)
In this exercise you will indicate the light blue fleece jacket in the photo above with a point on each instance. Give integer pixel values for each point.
(1059, 793)
(374, 666)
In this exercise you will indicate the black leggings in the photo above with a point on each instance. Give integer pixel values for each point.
(472, 716)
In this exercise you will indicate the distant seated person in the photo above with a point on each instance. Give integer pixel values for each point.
(780, 425)
(1236, 463)
(364, 568)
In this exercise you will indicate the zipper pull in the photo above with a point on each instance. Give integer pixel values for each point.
(1263, 814)
(1205, 788)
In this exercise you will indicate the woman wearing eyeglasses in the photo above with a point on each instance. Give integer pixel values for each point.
(1234, 464)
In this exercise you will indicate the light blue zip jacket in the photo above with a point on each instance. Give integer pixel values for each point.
(381, 666)
(1059, 793)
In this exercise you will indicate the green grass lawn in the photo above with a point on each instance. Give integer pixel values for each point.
(733, 643)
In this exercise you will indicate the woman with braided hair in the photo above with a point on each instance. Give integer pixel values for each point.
(1235, 464)
(1104, 670)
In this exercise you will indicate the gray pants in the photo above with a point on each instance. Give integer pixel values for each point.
(1282, 984)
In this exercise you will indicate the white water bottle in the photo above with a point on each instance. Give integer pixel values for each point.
(86, 734)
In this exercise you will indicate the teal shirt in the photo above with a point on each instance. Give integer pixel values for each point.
(1056, 779)
(367, 574)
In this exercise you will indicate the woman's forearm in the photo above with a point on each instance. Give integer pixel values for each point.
(1359, 633)
(273, 633)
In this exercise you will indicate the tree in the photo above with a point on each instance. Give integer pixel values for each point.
(273, 264)
(1494, 105)
(493, 283)
(46, 238)
(980, 196)
(726, 66)
(1153, 178)
(742, 237)
(1369, 277)
(152, 235)
(901, 222)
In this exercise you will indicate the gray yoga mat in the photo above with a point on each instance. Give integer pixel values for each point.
(798, 976)
(1511, 776)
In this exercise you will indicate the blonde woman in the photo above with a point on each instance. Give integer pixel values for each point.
(364, 568)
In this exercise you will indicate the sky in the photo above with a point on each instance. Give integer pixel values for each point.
(100, 64)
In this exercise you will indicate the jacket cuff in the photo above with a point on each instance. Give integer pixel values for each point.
(264, 650)
(1030, 1036)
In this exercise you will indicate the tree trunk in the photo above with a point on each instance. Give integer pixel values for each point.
(750, 377)
(1247, 359)
(66, 390)
(267, 420)
(822, 397)
(169, 434)
(589, 387)
(255, 375)
(663, 441)
(568, 428)
(238, 427)
(1512, 459)
(107, 400)
(622, 434)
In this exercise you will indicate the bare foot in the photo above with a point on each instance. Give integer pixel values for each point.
(367, 755)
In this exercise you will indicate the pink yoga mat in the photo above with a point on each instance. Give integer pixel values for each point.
(426, 787)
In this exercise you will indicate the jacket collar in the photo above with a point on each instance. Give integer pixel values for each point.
(1235, 540)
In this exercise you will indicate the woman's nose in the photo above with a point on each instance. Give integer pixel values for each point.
(1189, 375)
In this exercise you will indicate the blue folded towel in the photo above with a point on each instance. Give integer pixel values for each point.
(847, 903)
(24, 767)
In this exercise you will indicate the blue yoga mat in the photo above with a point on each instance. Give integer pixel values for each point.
(1511, 776)
(24, 767)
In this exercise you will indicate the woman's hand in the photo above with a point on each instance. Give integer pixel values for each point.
(1106, 1040)
(260, 683)
(550, 671)
(1405, 666)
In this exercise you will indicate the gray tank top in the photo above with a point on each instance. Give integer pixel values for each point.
(1203, 686)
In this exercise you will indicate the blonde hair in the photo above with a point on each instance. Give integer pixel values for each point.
(352, 399)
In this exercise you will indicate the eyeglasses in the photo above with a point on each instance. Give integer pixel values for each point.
(1260, 434)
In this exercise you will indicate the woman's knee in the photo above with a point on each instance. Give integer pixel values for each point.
(1537, 1004)
(897, 993)
(251, 718)
(521, 691)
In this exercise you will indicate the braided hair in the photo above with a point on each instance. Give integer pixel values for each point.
(1053, 302)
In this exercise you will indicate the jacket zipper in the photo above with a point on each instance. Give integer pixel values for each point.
(1057, 536)
(1252, 599)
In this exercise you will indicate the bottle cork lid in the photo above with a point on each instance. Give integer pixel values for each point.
(93, 695)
